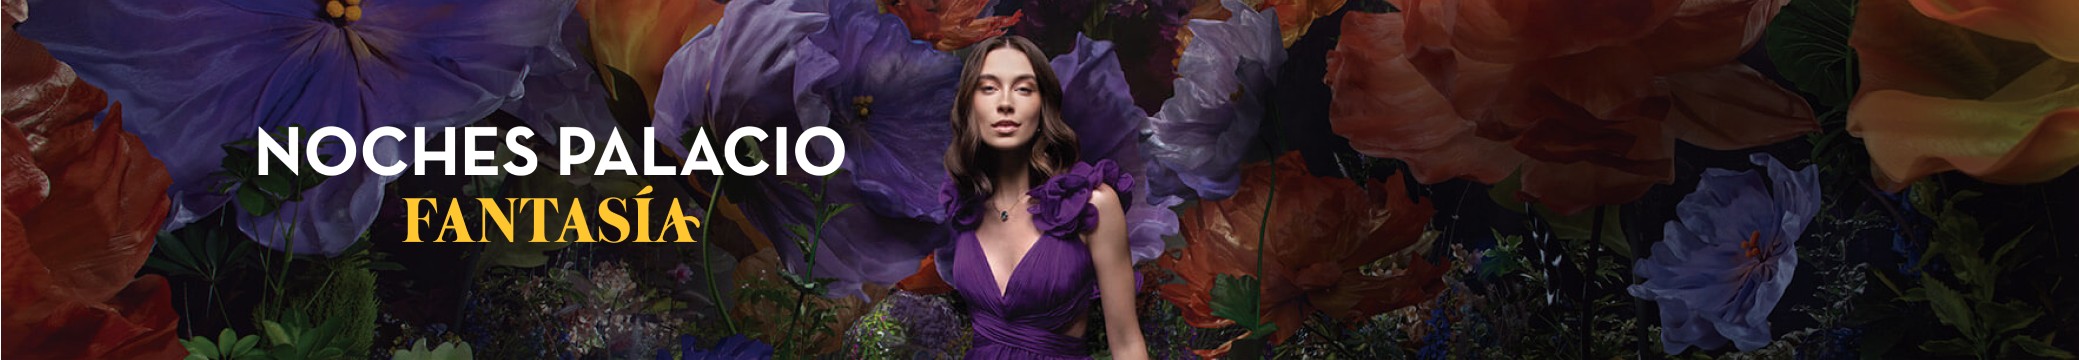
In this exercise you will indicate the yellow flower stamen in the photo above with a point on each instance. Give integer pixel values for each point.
(1753, 244)
(350, 10)
(864, 104)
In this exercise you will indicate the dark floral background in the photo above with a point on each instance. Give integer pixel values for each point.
(1372, 179)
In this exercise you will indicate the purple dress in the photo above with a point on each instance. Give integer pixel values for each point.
(1051, 288)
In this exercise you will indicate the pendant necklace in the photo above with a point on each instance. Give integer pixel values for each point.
(1003, 214)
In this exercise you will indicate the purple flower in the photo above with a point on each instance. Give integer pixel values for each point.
(1095, 103)
(1199, 138)
(194, 75)
(840, 64)
(563, 90)
(1728, 256)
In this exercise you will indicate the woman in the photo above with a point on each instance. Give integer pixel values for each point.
(1040, 235)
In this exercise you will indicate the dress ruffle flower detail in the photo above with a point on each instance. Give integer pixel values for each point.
(1195, 144)
(1728, 256)
(1482, 89)
(1061, 207)
(1990, 89)
(247, 64)
(840, 64)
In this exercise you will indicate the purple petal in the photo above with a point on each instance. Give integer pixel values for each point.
(1203, 132)
(895, 140)
(194, 75)
(1710, 291)
(1097, 105)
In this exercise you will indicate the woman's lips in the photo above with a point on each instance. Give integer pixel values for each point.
(1004, 127)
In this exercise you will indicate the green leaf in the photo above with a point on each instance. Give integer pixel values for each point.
(2007, 316)
(253, 201)
(2038, 347)
(1808, 42)
(245, 345)
(275, 183)
(1236, 298)
(1948, 347)
(275, 333)
(1950, 307)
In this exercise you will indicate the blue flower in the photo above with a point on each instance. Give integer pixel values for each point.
(734, 347)
(194, 75)
(1197, 141)
(1728, 256)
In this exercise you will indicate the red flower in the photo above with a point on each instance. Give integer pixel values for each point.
(949, 24)
(82, 204)
(1322, 229)
(1584, 97)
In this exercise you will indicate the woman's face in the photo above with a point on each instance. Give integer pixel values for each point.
(1006, 104)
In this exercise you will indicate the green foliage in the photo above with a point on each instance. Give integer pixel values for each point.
(227, 346)
(198, 251)
(1576, 227)
(341, 289)
(1989, 326)
(297, 339)
(1236, 298)
(446, 351)
(263, 194)
(1808, 42)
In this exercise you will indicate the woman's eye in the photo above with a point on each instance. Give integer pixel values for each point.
(988, 89)
(1024, 91)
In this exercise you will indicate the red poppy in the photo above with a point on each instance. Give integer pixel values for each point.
(1322, 231)
(949, 24)
(82, 204)
(1585, 98)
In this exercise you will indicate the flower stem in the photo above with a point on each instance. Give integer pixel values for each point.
(706, 268)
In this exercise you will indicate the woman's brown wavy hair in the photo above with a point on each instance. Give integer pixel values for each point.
(1054, 147)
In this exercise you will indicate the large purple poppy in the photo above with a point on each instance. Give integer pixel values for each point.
(563, 90)
(1199, 138)
(1096, 103)
(1728, 256)
(841, 64)
(196, 74)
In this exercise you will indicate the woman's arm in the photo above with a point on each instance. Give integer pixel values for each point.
(1115, 276)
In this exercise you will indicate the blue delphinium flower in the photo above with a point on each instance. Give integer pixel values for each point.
(1728, 256)
(734, 347)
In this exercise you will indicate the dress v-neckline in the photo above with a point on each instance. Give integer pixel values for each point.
(1003, 289)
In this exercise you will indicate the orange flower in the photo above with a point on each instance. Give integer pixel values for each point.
(1322, 229)
(82, 204)
(1295, 16)
(949, 24)
(1586, 98)
(1989, 88)
(638, 36)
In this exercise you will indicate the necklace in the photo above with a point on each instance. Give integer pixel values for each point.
(1003, 213)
